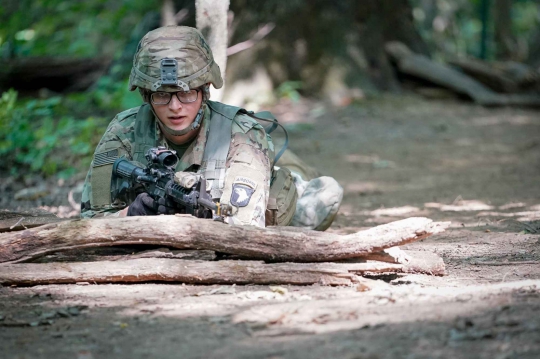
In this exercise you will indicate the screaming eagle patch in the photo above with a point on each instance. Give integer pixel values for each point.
(242, 190)
(241, 194)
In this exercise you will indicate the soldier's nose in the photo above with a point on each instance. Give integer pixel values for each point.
(175, 103)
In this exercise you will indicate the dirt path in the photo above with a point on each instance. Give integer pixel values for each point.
(396, 158)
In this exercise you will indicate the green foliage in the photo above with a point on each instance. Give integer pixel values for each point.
(36, 136)
(453, 27)
(68, 28)
(289, 90)
(114, 95)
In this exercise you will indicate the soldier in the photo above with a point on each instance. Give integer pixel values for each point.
(173, 69)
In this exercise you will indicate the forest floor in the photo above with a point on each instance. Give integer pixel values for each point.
(396, 157)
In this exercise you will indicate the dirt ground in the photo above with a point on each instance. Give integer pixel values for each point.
(396, 157)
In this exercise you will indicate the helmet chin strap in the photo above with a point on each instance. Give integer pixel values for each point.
(194, 125)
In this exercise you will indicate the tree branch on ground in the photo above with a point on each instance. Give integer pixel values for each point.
(200, 272)
(186, 232)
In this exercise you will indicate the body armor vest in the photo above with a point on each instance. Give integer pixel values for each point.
(217, 143)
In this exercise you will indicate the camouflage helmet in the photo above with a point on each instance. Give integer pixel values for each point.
(171, 57)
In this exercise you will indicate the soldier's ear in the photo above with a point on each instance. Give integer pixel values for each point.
(206, 91)
(145, 94)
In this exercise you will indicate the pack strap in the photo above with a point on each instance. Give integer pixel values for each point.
(268, 117)
(217, 148)
(145, 133)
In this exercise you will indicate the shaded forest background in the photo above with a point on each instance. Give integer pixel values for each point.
(65, 65)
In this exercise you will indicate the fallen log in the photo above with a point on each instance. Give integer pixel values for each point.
(421, 67)
(482, 71)
(192, 272)
(55, 73)
(187, 232)
(413, 261)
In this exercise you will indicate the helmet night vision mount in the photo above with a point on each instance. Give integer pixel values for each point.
(169, 71)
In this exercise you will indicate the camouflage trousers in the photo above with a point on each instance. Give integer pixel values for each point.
(318, 202)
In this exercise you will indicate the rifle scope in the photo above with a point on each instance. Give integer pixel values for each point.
(162, 157)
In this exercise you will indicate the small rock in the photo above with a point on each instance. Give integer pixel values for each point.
(48, 315)
(361, 287)
(63, 313)
(74, 311)
(278, 289)
(220, 290)
(465, 297)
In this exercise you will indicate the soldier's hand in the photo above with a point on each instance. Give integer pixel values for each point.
(144, 205)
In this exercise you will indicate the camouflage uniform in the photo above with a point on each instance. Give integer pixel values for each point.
(177, 58)
(250, 156)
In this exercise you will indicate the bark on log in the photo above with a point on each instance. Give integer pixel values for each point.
(181, 231)
(126, 253)
(412, 261)
(193, 272)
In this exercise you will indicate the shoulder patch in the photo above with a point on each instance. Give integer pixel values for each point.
(105, 158)
(241, 194)
(246, 181)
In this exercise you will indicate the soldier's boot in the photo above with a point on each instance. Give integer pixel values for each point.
(318, 202)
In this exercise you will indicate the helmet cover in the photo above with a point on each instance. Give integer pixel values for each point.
(178, 50)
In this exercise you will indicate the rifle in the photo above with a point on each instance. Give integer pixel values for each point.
(158, 180)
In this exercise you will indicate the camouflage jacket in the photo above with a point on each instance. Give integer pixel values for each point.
(248, 165)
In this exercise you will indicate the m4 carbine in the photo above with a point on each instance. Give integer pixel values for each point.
(158, 180)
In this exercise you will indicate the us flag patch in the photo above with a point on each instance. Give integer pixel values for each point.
(105, 158)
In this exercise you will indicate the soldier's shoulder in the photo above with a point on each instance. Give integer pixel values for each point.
(244, 123)
(127, 115)
(123, 123)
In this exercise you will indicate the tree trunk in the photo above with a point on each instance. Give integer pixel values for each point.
(381, 21)
(505, 41)
(167, 13)
(211, 17)
(180, 231)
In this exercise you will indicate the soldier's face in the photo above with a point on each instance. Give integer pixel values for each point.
(177, 115)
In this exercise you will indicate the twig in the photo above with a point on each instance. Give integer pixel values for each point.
(258, 36)
(504, 263)
(181, 16)
(16, 224)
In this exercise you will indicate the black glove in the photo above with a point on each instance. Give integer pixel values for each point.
(144, 205)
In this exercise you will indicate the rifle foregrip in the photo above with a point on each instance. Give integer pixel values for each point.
(207, 204)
